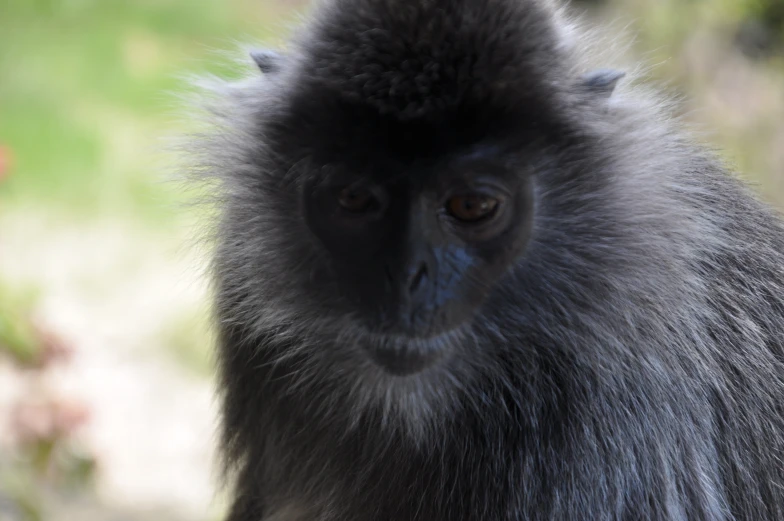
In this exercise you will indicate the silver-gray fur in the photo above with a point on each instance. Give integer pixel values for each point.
(628, 366)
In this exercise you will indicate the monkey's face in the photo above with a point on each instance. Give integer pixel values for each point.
(416, 224)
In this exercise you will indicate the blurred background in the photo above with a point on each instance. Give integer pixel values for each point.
(106, 404)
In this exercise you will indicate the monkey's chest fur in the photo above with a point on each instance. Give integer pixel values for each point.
(556, 441)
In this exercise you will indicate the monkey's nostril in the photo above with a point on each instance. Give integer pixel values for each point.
(418, 279)
(389, 279)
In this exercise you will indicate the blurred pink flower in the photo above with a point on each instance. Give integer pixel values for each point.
(6, 161)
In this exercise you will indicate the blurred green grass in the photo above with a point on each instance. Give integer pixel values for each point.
(88, 92)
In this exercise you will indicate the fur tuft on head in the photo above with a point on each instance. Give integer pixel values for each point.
(410, 59)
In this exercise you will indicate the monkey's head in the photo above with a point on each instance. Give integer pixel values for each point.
(387, 185)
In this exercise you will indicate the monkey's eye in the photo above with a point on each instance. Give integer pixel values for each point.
(472, 208)
(356, 199)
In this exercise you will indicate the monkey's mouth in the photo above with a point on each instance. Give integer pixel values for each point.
(406, 356)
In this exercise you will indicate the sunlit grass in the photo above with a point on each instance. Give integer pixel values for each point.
(89, 88)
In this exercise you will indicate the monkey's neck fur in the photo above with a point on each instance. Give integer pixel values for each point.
(629, 365)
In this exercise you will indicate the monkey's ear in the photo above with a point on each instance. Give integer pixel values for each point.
(266, 60)
(601, 82)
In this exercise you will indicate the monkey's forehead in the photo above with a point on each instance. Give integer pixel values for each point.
(409, 58)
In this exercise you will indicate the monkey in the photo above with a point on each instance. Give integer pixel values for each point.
(461, 275)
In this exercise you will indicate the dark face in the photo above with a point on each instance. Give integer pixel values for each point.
(418, 223)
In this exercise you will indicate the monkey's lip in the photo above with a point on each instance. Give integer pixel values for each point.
(404, 357)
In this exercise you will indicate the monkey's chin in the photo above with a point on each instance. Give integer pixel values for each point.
(406, 356)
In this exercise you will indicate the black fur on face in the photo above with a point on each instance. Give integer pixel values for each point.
(402, 264)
